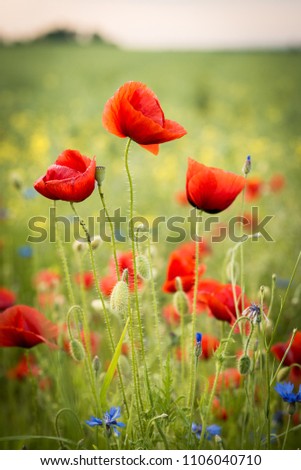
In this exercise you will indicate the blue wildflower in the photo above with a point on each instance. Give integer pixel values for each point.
(25, 251)
(285, 390)
(198, 346)
(253, 312)
(109, 421)
(198, 338)
(211, 430)
(29, 193)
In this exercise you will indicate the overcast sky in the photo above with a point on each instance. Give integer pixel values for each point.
(176, 24)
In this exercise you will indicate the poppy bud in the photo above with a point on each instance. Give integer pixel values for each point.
(244, 365)
(97, 305)
(77, 350)
(95, 242)
(219, 441)
(100, 172)
(180, 302)
(96, 364)
(283, 374)
(119, 297)
(79, 247)
(143, 267)
(247, 165)
(198, 346)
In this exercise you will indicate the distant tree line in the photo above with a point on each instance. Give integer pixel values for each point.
(63, 35)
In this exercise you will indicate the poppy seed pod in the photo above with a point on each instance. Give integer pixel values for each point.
(96, 242)
(100, 173)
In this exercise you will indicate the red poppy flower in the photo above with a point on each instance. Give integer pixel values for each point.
(211, 189)
(125, 261)
(229, 378)
(254, 188)
(25, 367)
(250, 221)
(71, 178)
(293, 356)
(184, 268)
(46, 280)
(94, 340)
(188, 249)
(181, 198)
(50, 299)
(205, 286)
(86, 279)
(171, 315)
(7, 298)
(277, 182)
(25, 327)
(218, 410)
(209, 345)
(134, 111)
(221, 303)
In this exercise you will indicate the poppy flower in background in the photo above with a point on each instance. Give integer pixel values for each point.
(25, 327)
(250, 221)
(47, 299)
(254, 188)
(293, 356)
(134, 111)
(94, 340)
(46, 280)
(229, 378)
(205, 286)
(277, 182)
(85, 279)
(218, 410)
(26, 367)
(211, 189)
(171, 315)
(188, 249)
(209, 345)
(182, 267)
(181, 198)
(125, 261)
(182, 264)
(7, 298)
(220, 302)
(71, 178)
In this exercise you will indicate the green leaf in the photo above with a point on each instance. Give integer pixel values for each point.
(110, 372)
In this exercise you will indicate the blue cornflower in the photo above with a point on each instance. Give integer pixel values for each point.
(211, 430)
(25, 251)
(253, 312)
(285, 390)
(198, 338)
(109, 420)
(198, 346)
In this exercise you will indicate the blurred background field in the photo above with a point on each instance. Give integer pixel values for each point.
(232, 104)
